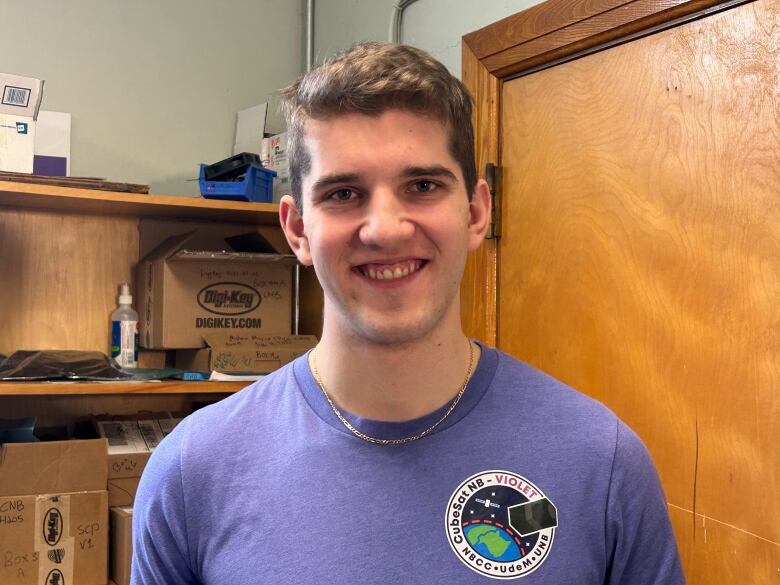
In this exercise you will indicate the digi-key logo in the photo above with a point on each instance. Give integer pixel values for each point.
(229, 298)
(52, 526)
(55, 577)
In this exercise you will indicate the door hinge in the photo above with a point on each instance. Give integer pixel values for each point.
(493, 178)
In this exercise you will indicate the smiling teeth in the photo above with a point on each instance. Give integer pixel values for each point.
(394, 274)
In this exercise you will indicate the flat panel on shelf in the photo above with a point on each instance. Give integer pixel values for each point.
(87, 201)
(113, 388)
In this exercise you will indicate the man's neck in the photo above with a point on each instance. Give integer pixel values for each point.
(394, 382)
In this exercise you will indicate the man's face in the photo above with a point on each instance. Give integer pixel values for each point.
(386, 224)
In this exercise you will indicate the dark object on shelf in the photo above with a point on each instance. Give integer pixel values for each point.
(85, 429)
(250, 243)
(53, 433)
(75, 182)
(59, 364)
(146, 374)
(17, 430)
(231, 169)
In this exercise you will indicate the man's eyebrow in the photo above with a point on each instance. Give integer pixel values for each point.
(432, 171)
(334, 179)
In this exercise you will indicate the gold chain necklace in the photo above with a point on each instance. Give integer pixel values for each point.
(404, 440)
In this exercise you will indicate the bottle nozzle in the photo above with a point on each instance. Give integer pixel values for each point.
(125, 298)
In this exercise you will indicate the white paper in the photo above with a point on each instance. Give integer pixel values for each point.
(123, 437)
(220, 377)
(52, 137)
(250, 126)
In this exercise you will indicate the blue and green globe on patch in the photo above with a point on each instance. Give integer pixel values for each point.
(492, 542)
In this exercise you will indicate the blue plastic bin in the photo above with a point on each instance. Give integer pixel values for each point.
(258, 186)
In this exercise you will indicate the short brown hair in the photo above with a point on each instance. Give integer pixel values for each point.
(370, 78)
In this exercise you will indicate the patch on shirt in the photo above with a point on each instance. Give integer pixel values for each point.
(500, 524)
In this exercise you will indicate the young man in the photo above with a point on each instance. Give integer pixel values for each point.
(397, 451)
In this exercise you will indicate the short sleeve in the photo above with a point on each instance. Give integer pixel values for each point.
(160, 547)
(640, 541)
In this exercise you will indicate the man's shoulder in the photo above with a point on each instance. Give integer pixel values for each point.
(540, 387)
(206, 441)
(545, 406)
(251, 409)
(552, 416)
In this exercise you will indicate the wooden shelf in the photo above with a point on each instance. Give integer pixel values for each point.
(89, 201)
(113, 388)
(62, 252)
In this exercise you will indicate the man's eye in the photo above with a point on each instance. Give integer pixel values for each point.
(343, 195)
(424, 186)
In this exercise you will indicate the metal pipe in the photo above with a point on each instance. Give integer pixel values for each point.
(297, 292)
(309, 34)
(396, 16)
(394, 12)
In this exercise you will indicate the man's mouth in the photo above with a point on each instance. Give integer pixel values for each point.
(391, 271)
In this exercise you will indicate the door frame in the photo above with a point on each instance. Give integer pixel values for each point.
(542, 36)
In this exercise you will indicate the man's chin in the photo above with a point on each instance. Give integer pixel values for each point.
(393, 333)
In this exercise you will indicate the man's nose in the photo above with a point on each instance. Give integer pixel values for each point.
(386, 221)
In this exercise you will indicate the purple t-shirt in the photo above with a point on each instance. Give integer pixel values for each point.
(526, 480)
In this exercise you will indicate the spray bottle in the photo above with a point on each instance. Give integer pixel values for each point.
(124, 331)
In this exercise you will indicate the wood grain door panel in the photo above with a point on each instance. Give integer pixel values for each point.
(640, 262)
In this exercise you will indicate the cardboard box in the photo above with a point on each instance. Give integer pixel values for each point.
(17, 143)
(131, 440)
(240, 353)
(185, 294)
(130, 436)
(124, 475)
(121, 553)
(54, 513)
(20, 96)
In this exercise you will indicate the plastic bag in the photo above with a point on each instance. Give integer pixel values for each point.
(59, 364)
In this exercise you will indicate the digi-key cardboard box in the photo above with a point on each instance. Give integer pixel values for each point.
(235, 353)
(185, 294)
(54, 513)
(121, 553)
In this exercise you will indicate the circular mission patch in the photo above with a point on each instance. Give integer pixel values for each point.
(500, 524)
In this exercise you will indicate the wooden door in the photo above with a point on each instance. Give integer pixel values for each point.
(639, 259)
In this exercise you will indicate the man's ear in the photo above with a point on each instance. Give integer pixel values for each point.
(479, 214)
(292, 226)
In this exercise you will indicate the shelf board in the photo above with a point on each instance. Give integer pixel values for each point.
(71, 200)
(109, 388)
